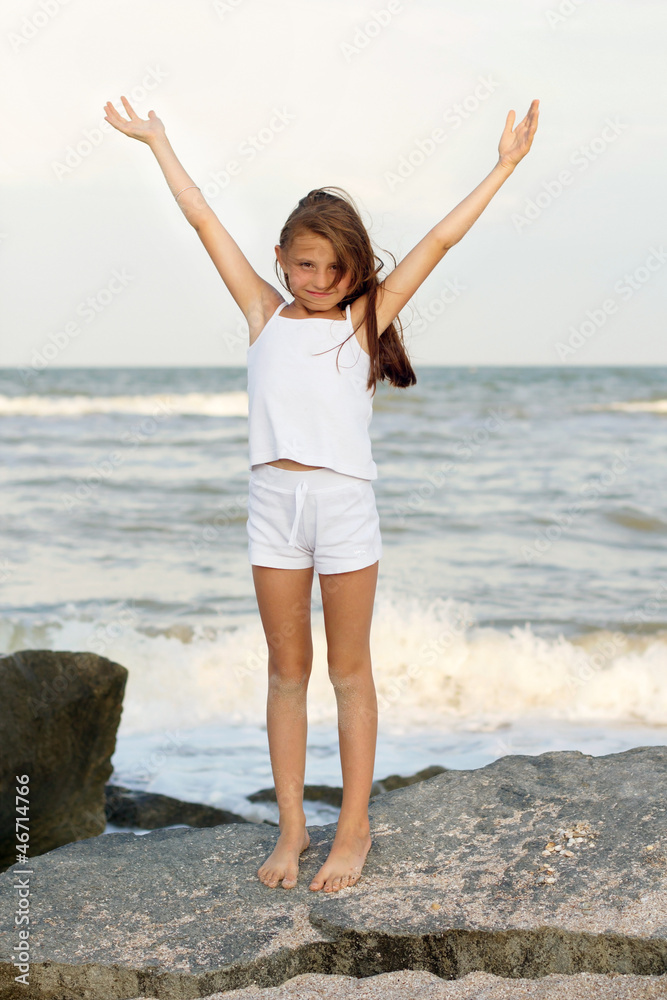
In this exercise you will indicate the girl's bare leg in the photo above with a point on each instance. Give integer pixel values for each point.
(347, 600)
(283, 598)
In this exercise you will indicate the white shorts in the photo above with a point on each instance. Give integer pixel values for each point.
(311, 517)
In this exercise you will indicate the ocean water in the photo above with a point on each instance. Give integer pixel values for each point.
(522, 594)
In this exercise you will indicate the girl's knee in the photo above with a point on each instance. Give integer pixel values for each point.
(290, 677)
(350, 673)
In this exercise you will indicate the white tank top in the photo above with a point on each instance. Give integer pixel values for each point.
(300, 406)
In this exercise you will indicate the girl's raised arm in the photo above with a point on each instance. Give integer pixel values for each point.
(402, 283)
(253, 295)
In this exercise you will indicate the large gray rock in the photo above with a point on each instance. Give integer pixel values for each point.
(456, 881)
(59, 713)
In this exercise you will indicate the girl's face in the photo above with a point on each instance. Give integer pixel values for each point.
(310, 266)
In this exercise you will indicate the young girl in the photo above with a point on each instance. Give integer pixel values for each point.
(313, 364)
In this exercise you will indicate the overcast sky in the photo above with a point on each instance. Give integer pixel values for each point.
(567, 265)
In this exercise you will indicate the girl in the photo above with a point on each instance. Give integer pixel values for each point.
(311, 503)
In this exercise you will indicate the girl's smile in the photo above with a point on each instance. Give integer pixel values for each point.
(311, 260)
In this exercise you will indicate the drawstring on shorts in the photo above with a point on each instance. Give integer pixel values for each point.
(300, 495)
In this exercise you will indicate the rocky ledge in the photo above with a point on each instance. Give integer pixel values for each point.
(531, 866)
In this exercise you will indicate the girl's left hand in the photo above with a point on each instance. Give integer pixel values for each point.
(144, 129)
(514, 145)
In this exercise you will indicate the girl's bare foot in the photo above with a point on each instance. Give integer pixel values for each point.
(284, 861)
(345, 862)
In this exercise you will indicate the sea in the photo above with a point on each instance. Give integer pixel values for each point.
(521, 603)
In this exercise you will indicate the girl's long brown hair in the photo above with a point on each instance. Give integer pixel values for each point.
(337, 219)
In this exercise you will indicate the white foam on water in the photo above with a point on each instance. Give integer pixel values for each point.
(433, 666)
(632, 406)
(224, 404)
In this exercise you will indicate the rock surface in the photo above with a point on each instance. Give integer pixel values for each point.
(59, 713)
(456, 882)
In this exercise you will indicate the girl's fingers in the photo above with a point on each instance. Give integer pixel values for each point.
(111, 114)
(531, 115)
(509, 122)
(116, 120)
(111, 111)
(128, 108)
(530, 121)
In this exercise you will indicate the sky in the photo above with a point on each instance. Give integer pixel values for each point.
(401, 103)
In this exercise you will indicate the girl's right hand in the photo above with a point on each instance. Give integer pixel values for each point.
(144, 129)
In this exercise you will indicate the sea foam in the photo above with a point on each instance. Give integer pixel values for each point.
(432, 666)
